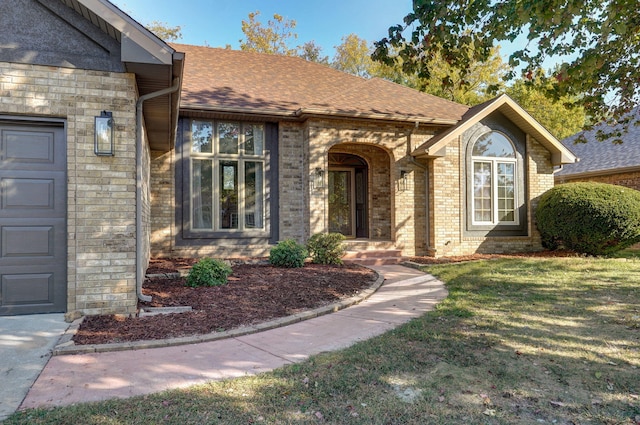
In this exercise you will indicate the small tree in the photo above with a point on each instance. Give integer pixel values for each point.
(592, 218)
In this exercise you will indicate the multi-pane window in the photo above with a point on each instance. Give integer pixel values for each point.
(494, 180)
(227, 176)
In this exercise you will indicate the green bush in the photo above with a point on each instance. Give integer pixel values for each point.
(208, 272)
(326, 248)
(288, 253)
(591, 218)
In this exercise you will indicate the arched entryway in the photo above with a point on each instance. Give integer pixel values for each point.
(348, 195)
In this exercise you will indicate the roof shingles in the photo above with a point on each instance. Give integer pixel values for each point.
(223, 79)
(604, 156)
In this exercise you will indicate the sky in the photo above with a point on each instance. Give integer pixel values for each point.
(217, 23)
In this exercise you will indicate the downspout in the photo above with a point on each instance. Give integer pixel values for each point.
(413, 161)
(139, 148)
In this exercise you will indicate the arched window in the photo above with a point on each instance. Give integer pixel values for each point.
(494, 180)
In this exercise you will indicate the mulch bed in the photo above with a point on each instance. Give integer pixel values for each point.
(254, 294)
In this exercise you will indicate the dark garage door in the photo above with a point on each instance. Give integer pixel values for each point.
(33, 276)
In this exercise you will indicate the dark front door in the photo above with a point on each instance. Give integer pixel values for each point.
(348, 195)
(32, 219)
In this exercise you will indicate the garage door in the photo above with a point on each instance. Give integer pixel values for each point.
(32, 219)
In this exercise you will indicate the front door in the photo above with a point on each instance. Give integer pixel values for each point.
(341, 205)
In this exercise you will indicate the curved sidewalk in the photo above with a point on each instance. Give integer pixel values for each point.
(67, 379)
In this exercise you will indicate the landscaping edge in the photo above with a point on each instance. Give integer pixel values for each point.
(66, 344)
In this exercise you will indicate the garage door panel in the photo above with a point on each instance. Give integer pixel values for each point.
(27, 193)
(33, 270)
(27, 289)
(24, 195)
(35, 241)
(21, 146)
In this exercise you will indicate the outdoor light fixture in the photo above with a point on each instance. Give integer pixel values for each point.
(318, 178)
(104, 134)
(402, 183)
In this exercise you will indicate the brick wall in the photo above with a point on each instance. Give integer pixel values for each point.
(293, 182)
(628, 179)
(100, 190)
(395, 213)
(162, 203)
(447, 174)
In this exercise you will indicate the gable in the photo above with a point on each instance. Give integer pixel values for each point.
(507, 107)
(46, 32)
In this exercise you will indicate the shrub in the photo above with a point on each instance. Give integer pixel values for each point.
(591, 218)
(288, 253)
(208, 272)
(326, 248)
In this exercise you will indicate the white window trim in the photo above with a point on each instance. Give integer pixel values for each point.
(494, 191)
(215, 158)
(494, 161)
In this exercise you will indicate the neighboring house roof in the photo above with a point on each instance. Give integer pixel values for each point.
(235, 81)
(156, 65)
(434, 147)
(605, 157)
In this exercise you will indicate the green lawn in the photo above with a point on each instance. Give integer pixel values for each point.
(518, 341)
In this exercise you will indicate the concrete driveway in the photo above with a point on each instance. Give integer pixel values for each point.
(26, 343)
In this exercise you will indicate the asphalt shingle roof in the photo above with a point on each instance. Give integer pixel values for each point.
(604, 156)
(224, 79)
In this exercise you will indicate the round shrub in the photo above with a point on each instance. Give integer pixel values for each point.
(591, 218)
(288, 253)
(208, 272)
(326, 248)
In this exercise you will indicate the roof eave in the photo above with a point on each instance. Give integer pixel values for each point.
(315, 112)
(596, 173)
(138, 44)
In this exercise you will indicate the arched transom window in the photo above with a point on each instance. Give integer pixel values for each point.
(494, 180)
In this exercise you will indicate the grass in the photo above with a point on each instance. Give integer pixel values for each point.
(524, 341)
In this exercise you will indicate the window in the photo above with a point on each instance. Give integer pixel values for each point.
(227, 176)
(494, 180)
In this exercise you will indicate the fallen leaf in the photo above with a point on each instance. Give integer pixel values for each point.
(441, 399)
(557, 403)
(489, 412)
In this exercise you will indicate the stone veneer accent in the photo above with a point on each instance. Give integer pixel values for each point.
(101, 253)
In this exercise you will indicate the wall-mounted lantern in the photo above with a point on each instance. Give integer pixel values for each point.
(402, 183)
(318, 178)
(104, 145)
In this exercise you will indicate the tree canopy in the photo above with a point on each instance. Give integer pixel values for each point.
(598, 41)
(274, 38)
(561, 121)
(164, 31)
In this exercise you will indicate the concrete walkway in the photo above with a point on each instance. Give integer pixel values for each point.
(67, 379)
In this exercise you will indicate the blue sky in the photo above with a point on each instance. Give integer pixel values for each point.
(218, 23)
